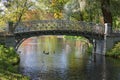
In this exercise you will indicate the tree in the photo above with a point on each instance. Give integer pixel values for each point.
(56, 7)
(15, 9)
(84, 10)
(115, 9)
(72, 10)
(105, 7)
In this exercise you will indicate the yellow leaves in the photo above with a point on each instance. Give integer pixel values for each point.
(58, 15)
(53, 3)
(31, 15)
(11, 17)
(56, 7)
(2, 23)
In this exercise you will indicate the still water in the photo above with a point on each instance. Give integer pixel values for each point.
(56, 58)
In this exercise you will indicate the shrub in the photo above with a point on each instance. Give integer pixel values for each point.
(9, 61)
(115, 52)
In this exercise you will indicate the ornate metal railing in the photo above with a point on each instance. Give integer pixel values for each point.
(45, 25)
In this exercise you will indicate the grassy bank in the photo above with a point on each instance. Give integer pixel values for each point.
(75, 37)
(9, 61)
(115, 52)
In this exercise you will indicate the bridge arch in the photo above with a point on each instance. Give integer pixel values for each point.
(21, 37)
(18, 44)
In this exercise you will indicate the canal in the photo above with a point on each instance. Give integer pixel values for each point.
(57, 58)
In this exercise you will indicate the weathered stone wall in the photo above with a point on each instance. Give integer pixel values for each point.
(10, 41)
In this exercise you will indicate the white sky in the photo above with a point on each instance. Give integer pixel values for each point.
(2, 6)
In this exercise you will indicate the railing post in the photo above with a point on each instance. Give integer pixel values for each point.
(108, 29)
(94, 50)
(10, 28)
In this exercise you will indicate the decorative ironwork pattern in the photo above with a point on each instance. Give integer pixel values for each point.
(45, 25)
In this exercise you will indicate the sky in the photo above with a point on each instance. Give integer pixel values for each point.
(2, 7)
(1, 4)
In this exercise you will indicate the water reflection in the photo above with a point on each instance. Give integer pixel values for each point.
(67, 60)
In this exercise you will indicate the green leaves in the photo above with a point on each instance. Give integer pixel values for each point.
(8, 56)
(115, 52)
(14, 10)
(9, 60)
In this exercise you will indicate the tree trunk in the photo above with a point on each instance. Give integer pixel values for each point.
(105, 7)
(81, 16)
(21, 14)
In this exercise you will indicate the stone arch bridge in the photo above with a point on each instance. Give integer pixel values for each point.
(101, 36)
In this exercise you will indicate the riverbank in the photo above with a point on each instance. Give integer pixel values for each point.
(114, 52)
(9, 61)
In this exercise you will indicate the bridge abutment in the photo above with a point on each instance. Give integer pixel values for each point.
(10, 41)
(108, 41)
(101, 46)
